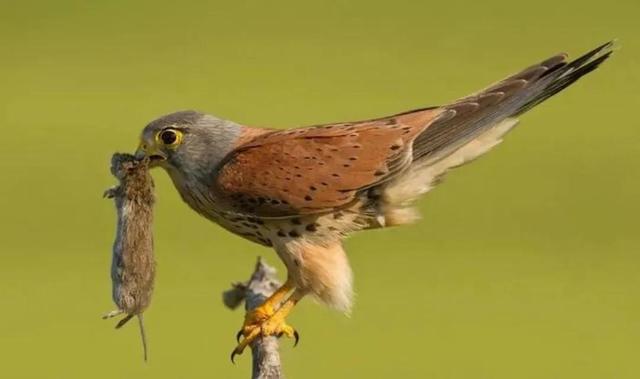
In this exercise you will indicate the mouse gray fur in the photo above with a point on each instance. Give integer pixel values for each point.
(133, 263)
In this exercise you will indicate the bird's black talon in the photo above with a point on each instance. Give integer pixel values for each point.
(297, 338)
(238, 335)
(233, 355)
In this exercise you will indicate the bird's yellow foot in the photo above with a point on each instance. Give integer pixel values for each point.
(264, 322)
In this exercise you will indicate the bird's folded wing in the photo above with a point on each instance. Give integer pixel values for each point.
(317, 169)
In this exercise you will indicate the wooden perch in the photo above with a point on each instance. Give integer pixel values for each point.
(264, 351)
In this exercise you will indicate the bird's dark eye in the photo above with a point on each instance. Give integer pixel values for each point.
(170, 137)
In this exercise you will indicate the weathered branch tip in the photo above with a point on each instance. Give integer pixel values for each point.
(263, 282)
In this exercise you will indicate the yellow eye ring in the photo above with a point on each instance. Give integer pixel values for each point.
(169, 137)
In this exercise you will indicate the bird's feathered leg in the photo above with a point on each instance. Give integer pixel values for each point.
(318, 269)
(262, 323)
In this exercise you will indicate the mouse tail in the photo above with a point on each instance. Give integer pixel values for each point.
(143, 336)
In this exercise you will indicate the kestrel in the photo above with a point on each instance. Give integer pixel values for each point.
(302, 191)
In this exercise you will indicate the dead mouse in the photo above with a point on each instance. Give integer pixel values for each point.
(133, 263)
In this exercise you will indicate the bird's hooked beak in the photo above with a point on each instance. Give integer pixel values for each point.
(151, 151)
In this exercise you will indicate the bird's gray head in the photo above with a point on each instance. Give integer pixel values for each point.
(188, 142)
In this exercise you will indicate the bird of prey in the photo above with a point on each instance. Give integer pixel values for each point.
(303, 190)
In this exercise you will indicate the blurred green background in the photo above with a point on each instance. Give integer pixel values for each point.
(525, 265)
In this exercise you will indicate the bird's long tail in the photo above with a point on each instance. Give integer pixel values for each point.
(471, 116)
(471, 126)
